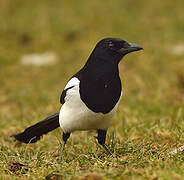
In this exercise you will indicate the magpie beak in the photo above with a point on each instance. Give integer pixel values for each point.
(130, 47)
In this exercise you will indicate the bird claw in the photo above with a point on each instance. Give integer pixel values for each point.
(107, 150)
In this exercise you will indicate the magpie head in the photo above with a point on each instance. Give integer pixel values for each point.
(114, 48)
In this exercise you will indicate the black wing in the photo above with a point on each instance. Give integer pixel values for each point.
(63, 95)
(99, 92)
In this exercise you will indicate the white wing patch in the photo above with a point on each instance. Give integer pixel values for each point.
(72, 82)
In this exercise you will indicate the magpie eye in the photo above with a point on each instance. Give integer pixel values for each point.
(111, 44)
(116, 45)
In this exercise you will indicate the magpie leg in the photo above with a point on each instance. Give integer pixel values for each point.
(65, 138)
(101, 140)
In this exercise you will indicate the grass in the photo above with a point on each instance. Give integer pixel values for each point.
(150, 118)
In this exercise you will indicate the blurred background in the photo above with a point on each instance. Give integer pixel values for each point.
(43, 43)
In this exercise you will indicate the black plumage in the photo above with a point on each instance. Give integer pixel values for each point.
(103, 90)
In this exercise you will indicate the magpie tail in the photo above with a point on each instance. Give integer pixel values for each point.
(33, 133)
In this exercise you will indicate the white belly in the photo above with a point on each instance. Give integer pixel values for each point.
(74, 114)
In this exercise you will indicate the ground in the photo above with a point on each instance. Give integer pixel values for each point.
(149, 123)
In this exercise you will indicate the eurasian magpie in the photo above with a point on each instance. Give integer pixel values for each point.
(90, 98)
